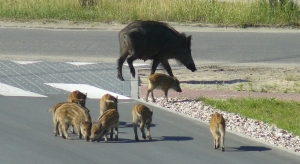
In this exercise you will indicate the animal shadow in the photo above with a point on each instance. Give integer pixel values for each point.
(175, 138)
(130, 125)
(216, 81)
(248, 148)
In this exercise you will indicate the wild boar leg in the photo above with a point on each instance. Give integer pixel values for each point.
(100, 137)
(72, 129)
(167, 67)
(116, 133)
(111, 133)
(217, 142)
(105, 137)
(154, 65)
(147, 95)
(148, 91)
(130, 60)
(142, 129)
(79, 131)
(56, 124)
(166, 95)
(120, 65)
(152, 96)
(222, 142)
(148, 131)
(135, 132)
(60, 131)
(64, 129)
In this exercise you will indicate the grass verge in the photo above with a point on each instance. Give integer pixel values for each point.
(284, 114)
(243, 13)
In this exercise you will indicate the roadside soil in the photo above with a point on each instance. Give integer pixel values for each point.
(266, 78)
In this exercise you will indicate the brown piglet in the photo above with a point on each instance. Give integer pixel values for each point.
(163, 82)
(143, 115)
(108, 102)
(77, 96)
(107, 121)
(217, 129)
(72, 114)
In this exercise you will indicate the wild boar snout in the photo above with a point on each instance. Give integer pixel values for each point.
(192, 67)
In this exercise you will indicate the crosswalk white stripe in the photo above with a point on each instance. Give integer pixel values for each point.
(92, 92)
(26, 62)
(80, 63)
(137, 64)
(7, 90)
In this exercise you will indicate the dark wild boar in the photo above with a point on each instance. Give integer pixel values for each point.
(143, 115)
(72, 114)
(107, 121)
(163, 82)
(155, 41)
(108, 102)
(217, 129)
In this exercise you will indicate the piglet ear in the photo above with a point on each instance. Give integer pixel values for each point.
(74, 101)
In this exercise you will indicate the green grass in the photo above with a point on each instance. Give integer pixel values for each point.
(243, 14)
(284, 114)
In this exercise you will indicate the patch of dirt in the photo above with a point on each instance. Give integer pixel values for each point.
(254, 78)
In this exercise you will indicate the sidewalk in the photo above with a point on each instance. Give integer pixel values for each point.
(188, 93)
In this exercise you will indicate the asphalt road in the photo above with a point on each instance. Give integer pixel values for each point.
(27, 137)
(103, 46)
(27, 127)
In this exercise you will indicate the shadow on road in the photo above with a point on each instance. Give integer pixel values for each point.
(248, 148)
(174, 138)
(216, 81)
(130, 125)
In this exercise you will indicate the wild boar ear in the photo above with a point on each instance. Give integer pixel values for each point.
(151, 111)
(188, 41)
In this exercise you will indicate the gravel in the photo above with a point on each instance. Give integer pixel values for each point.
(250, 127)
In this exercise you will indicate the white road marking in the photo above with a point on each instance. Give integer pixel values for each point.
(7, 90)
(92, 92)
(26, 62)
(137, 64)
(80, 63)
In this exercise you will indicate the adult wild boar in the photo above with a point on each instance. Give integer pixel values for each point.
(156, 41)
